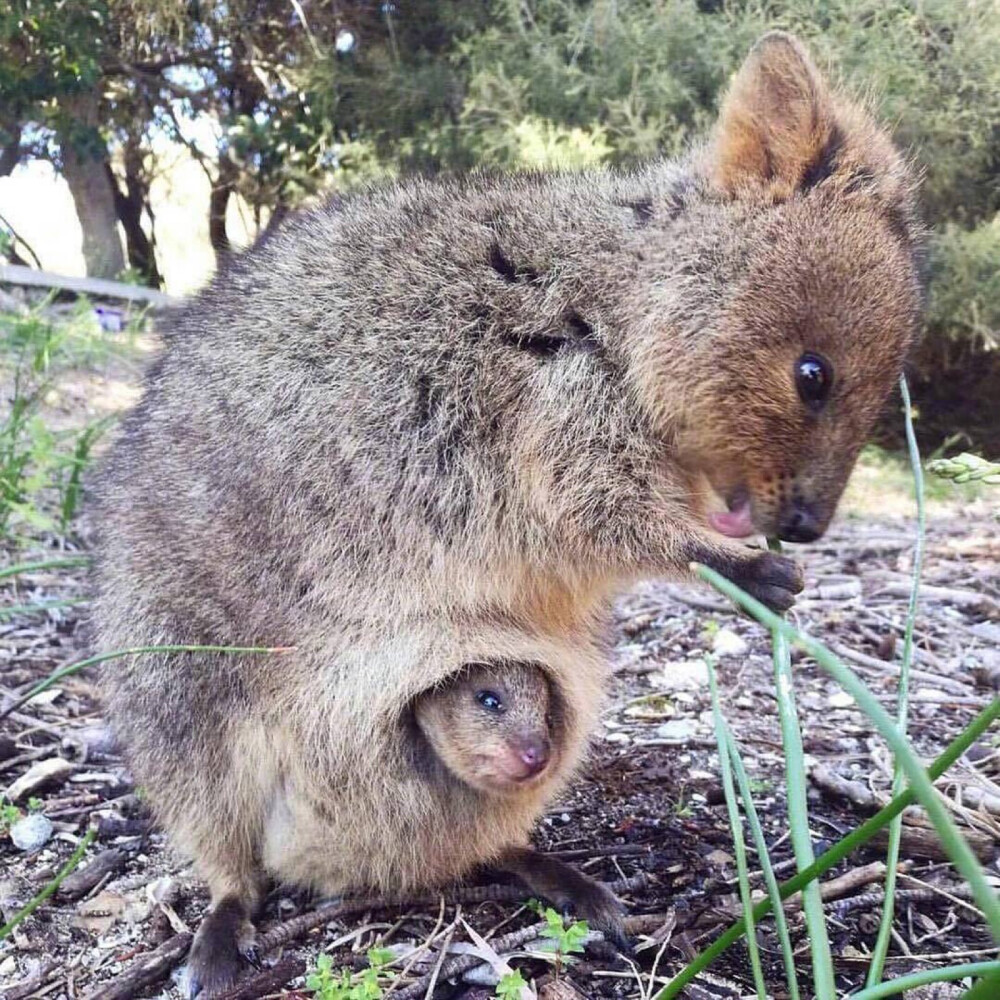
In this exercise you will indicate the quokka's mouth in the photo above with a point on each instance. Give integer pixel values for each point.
(737, 520)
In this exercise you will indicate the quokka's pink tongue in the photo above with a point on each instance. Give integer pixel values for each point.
(735, 523)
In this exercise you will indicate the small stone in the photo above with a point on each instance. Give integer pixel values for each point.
(676, 730)
(728, 643)
(841, 699)
(30, 832)
(719, 858)
(53, 771)
(622, 738)
(8, 967)
(44, 698)
(655, 706)
(689, 675)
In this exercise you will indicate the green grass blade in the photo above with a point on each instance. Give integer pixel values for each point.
(948, 974)
(736, 829)
(798, 814)
(72, 668)
(770, 879)
(952, 841)
(37, 567)
(881, 948)
(838, 852)
(51, 887)
(986, 989)
(31, 609)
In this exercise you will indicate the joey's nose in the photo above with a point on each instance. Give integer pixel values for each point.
(799, 522)
(534, 754)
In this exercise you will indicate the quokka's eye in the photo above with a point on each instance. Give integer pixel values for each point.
(813, 379)
(490, 700)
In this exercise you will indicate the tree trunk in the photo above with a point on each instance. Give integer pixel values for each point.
(129, 206)
(10, 146)
(218, 201)
(84, 165)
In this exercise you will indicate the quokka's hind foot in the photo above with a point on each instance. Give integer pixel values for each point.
(571, 891)
(223, 949)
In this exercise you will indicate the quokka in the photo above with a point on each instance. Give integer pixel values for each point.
(444, 423)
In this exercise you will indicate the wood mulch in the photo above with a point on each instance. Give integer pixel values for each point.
(647, 813)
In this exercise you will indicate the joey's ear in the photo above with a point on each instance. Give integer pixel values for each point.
(777, 127)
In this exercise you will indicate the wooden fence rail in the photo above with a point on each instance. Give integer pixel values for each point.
(16, 274)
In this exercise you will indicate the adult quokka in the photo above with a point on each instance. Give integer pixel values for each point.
(443, 424)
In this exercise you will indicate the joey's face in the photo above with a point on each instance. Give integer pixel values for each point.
(808, 349)
(492, 726)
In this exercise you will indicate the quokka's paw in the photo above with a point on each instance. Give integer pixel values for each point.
(582, 898)
(222, 951)
(772, 579)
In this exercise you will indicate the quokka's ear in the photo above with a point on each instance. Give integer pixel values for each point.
(777, 127)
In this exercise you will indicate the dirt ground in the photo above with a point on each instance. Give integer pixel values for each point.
(646, 814)
(649, 804)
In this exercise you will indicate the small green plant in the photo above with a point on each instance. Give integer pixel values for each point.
(9, 815)
(35, 804)
(565, 937)
(327, 984)
(684, 806)
(40, 467)
(966, 468)
(511, 985)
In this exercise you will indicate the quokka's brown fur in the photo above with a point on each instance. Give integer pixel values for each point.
(442, 423)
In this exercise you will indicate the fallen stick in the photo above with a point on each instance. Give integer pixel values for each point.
(830, 782)
(843, 885)
(108, 862)
(147, 971)
(923, 842)
(966, 599)
(24, 989)
(887, 668)
(266, 981)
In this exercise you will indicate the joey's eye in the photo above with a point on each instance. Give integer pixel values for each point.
(490, 700)
(813, 379)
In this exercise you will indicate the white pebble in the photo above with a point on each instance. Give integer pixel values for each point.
(30, 832)
(677, 730)
(728, 643)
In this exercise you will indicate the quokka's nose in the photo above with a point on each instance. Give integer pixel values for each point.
(534, 754)
(799, 522)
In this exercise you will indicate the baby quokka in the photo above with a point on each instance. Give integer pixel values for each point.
(442, 424)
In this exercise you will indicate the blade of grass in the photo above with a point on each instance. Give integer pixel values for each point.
(72, 668)
(36, 567)
(914, 979)
(798, 812)
(30, 609)
(770, 879)
(51, 887)
(986, 989)
(838, 852)
(952, 841)
(881, 948)
(736, 830)
(77, 464)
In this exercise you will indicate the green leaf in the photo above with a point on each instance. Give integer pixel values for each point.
(511, 985)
